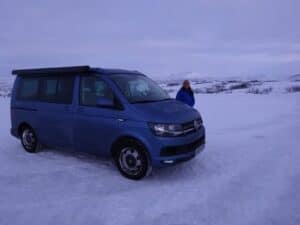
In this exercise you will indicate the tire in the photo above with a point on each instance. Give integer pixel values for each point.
(132, 160)
(29, 140)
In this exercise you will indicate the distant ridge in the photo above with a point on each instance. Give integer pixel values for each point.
(195, 76)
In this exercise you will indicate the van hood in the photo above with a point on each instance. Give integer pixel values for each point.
(170, 111)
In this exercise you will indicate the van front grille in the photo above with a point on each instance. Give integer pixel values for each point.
(188, 127)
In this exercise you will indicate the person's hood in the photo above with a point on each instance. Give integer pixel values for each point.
(169, 111)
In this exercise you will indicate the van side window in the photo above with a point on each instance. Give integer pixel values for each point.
(91, 88)
(48, 89)
(65, 89)
(57, 89)
(29, 88)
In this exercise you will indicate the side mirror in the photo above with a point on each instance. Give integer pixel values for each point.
(105, 102)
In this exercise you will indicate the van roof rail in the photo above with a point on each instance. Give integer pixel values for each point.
(53, 70)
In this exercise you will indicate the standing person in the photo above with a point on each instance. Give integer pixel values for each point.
(186, 94)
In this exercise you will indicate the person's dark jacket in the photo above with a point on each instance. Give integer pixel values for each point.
(186, 96)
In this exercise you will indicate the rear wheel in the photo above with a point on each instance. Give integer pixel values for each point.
(132, 160)
(29, 140)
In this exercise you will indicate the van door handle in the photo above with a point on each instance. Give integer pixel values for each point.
(121, 120)
(80, 110)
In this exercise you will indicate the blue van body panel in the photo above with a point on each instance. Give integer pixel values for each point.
(95, 129)
(54, 124)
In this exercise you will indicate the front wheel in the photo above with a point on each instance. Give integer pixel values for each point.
(133, 161)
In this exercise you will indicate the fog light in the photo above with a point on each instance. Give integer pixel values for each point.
(168, 161)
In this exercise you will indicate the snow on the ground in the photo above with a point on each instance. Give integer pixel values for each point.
(249, 173)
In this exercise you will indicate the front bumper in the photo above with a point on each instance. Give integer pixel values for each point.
(183, 157)
(179, 150)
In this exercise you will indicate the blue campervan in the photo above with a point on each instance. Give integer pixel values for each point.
(109, 112)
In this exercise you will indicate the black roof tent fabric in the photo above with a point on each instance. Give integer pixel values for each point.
(53, 70)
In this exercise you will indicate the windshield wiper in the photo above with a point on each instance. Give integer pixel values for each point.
(148, 101)
(164, 99)
(143, 101)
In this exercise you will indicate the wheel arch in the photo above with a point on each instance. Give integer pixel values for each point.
(21, 126)
(120, 140)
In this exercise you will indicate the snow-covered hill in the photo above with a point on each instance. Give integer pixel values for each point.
(295, 77)
(235, 86)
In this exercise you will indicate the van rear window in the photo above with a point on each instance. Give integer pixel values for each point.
(47, 89)
(29, 88)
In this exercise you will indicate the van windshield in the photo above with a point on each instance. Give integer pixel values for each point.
(139, 89)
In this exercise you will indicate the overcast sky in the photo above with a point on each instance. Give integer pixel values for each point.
(158, 37)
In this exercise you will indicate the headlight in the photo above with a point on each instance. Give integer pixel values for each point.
(173, 130)
(166, 130)
(198, 123)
